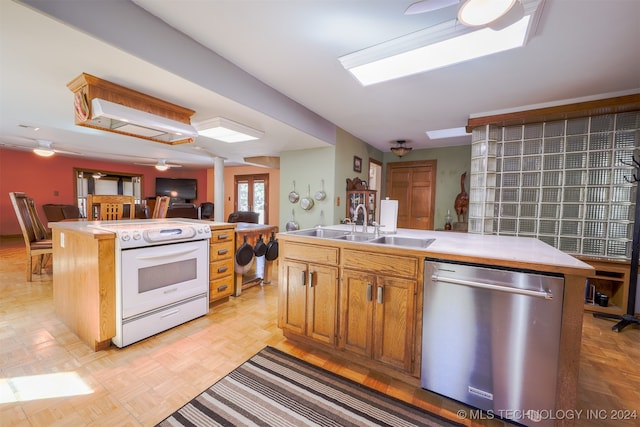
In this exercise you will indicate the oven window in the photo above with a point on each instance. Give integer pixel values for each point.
(172, 273)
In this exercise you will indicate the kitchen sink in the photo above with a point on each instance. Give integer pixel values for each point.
(320, 232)
(324, 233)
(402, 241)
(355, 237)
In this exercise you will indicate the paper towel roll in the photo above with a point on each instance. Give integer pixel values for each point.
(388, 215)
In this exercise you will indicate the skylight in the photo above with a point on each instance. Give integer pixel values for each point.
(435, 47)
(447, 133)
(227, 130)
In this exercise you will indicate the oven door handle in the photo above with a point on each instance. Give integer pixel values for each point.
(167, 255)
(490, 286)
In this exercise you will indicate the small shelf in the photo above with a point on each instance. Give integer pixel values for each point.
(612, 279)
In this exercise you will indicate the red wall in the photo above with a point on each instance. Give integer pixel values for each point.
(44, 177)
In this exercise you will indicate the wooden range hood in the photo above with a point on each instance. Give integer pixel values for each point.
(156, 120)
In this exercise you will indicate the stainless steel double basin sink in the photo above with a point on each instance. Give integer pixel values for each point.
(325, 233)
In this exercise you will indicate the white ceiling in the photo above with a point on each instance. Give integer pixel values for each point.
(582, 48)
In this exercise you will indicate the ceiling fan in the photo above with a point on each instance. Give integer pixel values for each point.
(42, 147)
(472, 13)
(424, 6)
(162, 165)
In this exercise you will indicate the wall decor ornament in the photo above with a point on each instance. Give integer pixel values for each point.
(357, 164)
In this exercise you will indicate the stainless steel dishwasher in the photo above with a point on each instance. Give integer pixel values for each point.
(490, 338)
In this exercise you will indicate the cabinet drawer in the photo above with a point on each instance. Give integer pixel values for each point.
(311, 253)
(379, 263)
(220, 268)
(225, 235)
(220, 288)
(219, 251)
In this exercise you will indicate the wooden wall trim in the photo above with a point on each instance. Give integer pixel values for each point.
(619, 104)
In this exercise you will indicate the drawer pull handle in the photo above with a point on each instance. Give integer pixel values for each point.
(170, 313)
(222, 288)
(222, 269)
(222, 236)
(222, 251)
(311, 274)
(369, 291)
(380, 297)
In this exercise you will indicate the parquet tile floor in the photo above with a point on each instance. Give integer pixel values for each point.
(143, 383)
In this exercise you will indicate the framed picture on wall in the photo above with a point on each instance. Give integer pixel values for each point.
(357, 164)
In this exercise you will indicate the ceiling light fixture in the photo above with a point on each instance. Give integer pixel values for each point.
(475, 13)
(44, 149)
(227, 130)
(162, 165)
(438, 46)
(400, 149)
(43, 152)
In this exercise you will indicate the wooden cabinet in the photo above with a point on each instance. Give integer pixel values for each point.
(378, 300)
(612, 279)
(309, 292)
(364, 197)
(84, 292)
(221, 267)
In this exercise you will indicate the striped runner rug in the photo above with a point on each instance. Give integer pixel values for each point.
(276, 389)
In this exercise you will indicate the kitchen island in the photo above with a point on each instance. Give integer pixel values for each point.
(342, 292)
(84, 274)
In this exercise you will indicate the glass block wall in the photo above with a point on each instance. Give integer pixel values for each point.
(563, 182)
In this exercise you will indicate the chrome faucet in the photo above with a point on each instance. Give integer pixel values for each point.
(364, 221)
(353, 224)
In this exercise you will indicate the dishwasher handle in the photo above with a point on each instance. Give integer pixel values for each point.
(490, 286)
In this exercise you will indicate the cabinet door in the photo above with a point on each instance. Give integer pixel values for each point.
(394, 319)
(356, 299)
(322, 302)
(293, 297)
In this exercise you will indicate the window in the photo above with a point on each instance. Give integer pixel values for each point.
(252, 194)
(562, 182)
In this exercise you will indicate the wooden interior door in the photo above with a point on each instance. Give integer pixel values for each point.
(413, 185)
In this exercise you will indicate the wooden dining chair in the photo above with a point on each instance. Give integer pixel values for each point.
(107, 207)
(36, 240)
(161, 207)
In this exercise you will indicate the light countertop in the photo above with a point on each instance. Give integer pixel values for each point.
(521, 252)
(92, 227)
